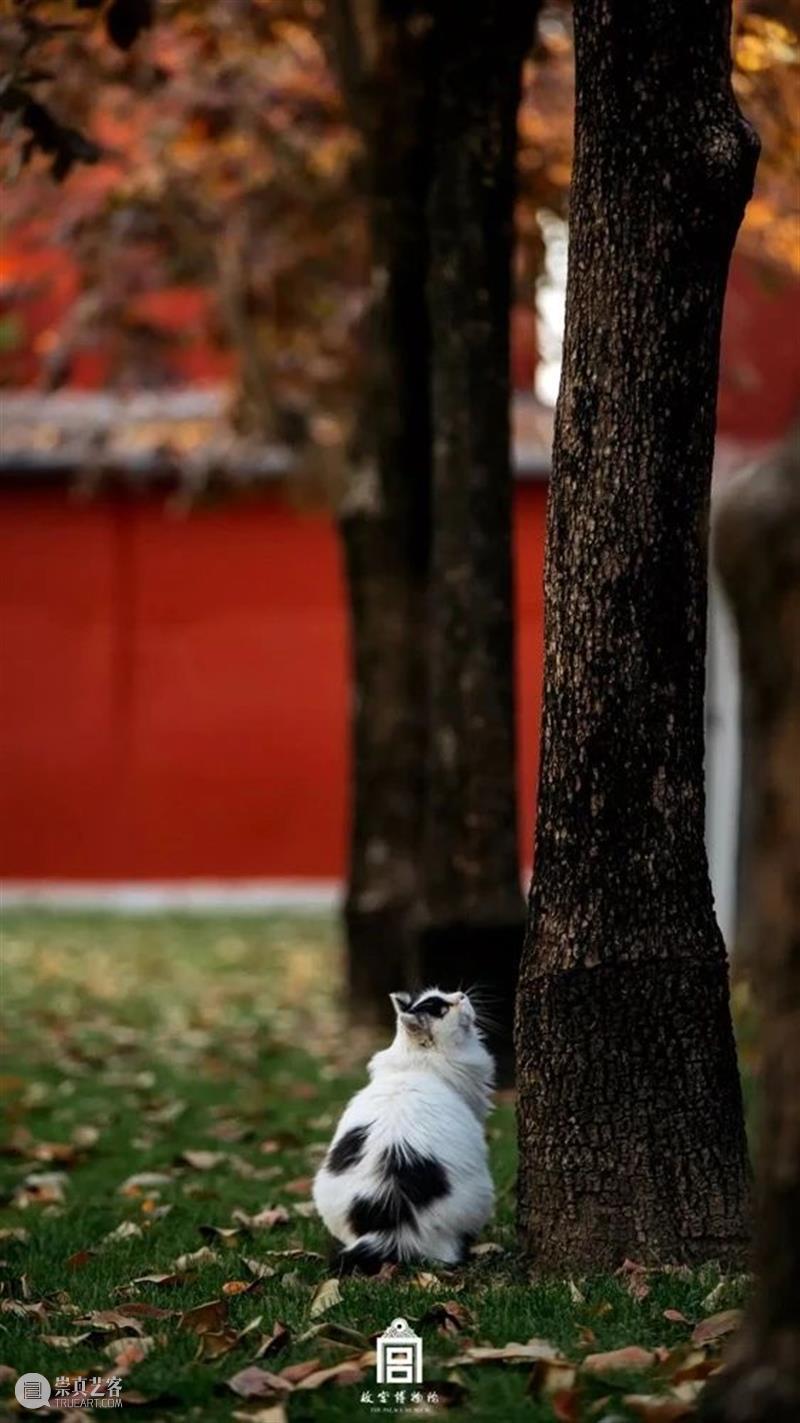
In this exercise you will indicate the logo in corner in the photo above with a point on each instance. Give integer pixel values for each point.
(32, 1390)
(399, 1352)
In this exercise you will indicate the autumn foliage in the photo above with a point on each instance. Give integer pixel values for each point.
(183, 196)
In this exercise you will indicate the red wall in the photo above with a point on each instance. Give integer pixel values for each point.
(174, 698)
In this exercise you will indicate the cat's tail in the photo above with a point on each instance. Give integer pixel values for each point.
(368, 1255)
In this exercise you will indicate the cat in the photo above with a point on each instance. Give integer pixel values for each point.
(406, 1176)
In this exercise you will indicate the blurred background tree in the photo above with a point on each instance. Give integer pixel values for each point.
(215, 221)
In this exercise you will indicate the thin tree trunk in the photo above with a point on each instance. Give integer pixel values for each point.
(473, 909)
(630, 1117)
(758, 554)
(384, 58)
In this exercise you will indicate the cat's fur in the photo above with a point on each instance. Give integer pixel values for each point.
(406, 1176)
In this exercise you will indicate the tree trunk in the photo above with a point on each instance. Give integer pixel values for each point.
(473, 913)
(758, 554)
(630, 1117)
(384, 58)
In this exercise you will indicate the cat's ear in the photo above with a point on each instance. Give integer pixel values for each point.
(400, 1002)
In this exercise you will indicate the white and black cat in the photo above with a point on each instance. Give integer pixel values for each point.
(406, 1176)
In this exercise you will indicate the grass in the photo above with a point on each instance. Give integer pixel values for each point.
(132, 1042)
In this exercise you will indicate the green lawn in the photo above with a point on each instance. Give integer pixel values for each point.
(130, 1043)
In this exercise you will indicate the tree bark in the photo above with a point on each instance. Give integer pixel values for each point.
(630, 1117)
(758, 555)
(384, 59)
(434, 873)
(473, 913)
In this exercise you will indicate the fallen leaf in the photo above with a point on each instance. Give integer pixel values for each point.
(656, 1408)
(223, 1234)
(42, 1188)
(575, 1294)
(257, 1268)
(299, 1187)
(276, 1413)
(334, 1333)
(717, 1325)
(202, 1160)
(214, 1345)
(348, 1372)
(265, 1219)
(426, 1280)
(254, 1382)
(272, 1343)
(326, 1297)
(205, 1318)
(143, 1182)
(127, 1352)
(449, 1317)
(293, 1373)
(108, 1320)
(204, 1256)
(487, 1247)
(630, 1357)
(65, 1341)
(634, 1277)
(508, 1354)
(675, 1317)
(140, 1309)
(86, 1136)
(305, 1209)
(79, 1259)
(126, 1230)
(238, 1287)
(15, 1233)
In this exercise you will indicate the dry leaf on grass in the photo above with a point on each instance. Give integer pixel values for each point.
(275, 1341)
(449, 1316)
(257, 1268)
(110, 1320)
(66, 1341)
(144, 1181)
(630, 1357)
(295, 1373)
(486, 1247)
(254, 1382)
(675, 1317)
(221, 1234)
(508, 1354)
(658, 1408)
(127, 1352)
(195, 1258)
(275, 1413)
(79, 1259)
(214, 1345)
(348, 1372)
(265, 1219)
(205, 1318)
(202, 1160)
(126, 1230)
(326, 1296)
(634, 1277)
(42, 1188)
(426, 1280)
(717, 1325)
